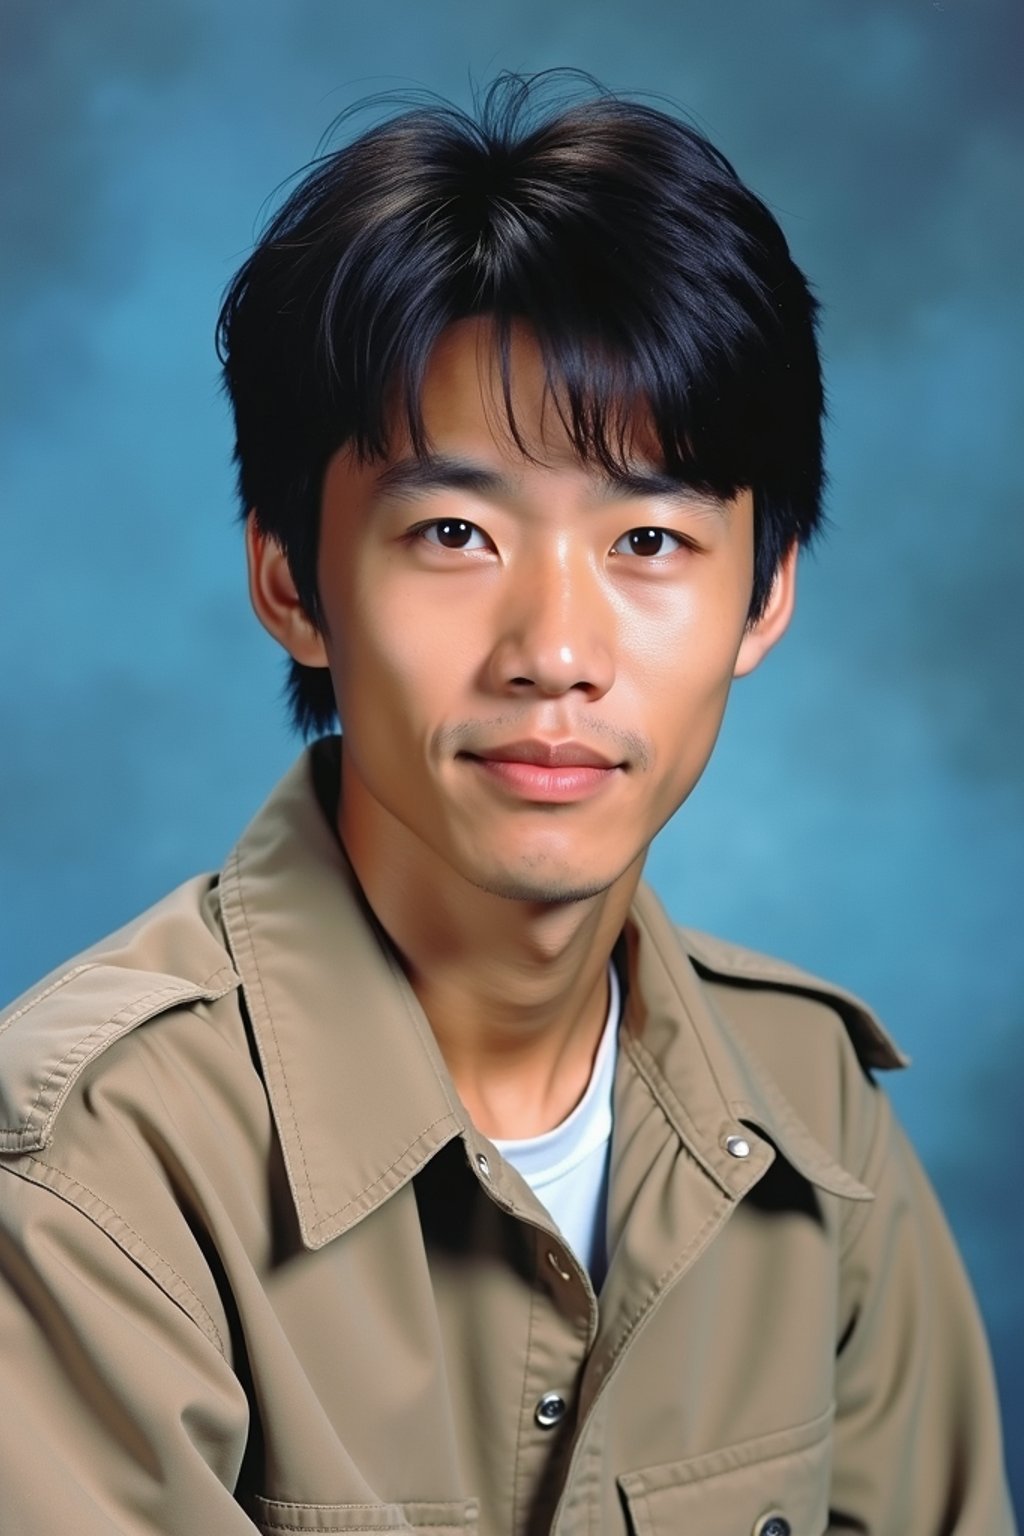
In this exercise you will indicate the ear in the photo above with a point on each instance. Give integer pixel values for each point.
(275, 600)
(759, 637)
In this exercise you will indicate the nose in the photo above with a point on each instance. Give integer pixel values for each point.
(556, 631)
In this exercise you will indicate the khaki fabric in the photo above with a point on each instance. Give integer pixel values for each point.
(258, 1271)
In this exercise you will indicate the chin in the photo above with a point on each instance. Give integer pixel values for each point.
(540, 886)
(551, 893)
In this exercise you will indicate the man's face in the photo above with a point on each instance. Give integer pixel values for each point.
(481, 607)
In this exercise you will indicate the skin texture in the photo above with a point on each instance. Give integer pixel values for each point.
(458, 619)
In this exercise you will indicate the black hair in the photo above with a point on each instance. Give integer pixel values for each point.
(649, 274)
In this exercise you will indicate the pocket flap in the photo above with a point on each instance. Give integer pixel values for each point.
(452, 1518)
(735, 1491)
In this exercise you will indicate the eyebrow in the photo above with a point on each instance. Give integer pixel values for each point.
(414, 477)
(411, 478)
(637, 484)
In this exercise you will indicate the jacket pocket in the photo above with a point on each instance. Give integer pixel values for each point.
(274, 1517)
(739, 1490)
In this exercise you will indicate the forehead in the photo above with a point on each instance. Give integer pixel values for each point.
(501, 434)
(496, 427)
(466, 399)
(505, 443)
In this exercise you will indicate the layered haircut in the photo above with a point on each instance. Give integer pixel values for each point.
(653, 280)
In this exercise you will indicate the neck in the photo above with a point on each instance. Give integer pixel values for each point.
(515, 992)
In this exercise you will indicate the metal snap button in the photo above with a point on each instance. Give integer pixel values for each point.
(739, 1146)
(773, 1524)
(550, 1410)
(555, 1260)
(483, 1165)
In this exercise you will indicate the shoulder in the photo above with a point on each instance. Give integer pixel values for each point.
(171, 958)
(762, 993)
(808, 1041)
(124, 1076)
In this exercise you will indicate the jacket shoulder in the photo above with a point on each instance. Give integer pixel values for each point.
(169, 957)
(718, 960)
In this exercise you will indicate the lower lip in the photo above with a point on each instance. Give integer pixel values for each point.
(532, 781)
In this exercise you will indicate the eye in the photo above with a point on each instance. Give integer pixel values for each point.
(648, 541)
(451, 533)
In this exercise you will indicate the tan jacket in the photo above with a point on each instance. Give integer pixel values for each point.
(258, 1271)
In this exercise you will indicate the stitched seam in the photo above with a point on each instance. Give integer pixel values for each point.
(124, 1015)
(616, 1351)
(293, 1504)
(593, 1512)
(686, 1009)
(381, 1177)
(237, 886)
(652, 937)
(322, 1218)
(662, 1091)
(789, 1122)
(421, 1525)
(760, 1450)
(82, 1046)
(212, 997)
(522, 1397)
(714, 1220)
(277, 1525)
(266, 1512)
(211, 1329)
(54, 986)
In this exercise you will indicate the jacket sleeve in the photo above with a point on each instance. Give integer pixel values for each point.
(122, 1414)
(918, 1449)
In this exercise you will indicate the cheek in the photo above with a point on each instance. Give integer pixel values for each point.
(392, 663)
(682, 660)
(685, 646)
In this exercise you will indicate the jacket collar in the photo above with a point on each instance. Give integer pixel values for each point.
(359, 1092)
(708, 1084)
(358, 1089)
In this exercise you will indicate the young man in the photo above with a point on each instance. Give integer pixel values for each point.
(414, 1172)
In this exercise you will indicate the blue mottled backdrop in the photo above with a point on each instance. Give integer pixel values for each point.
(863, 815)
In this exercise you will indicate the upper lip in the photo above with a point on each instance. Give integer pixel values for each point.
(547, 754)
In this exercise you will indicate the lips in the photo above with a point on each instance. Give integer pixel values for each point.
(546, 754)
(537, 772)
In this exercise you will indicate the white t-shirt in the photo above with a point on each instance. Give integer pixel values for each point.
(567, 1168)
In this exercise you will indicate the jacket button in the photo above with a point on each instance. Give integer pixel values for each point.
(483, 1165)
(739, 1146)
(558, 1265)
(772, 1525)
(550, 1410)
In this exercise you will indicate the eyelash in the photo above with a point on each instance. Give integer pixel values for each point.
(438, 522)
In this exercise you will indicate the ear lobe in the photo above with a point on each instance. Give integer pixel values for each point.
(760, 636)
(275, 600)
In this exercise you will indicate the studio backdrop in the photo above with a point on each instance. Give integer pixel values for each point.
(863, 813)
